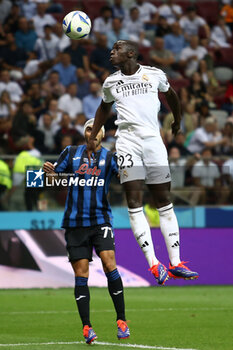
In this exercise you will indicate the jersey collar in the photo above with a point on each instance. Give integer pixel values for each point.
(131, 75)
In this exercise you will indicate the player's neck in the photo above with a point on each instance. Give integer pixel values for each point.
(129, 68)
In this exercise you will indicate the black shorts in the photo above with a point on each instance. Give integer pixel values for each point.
(80, 241)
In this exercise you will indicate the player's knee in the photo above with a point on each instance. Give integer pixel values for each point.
(109, 268)
(108, 260)
(162, 200)
(109, 265)
(134, 203)
(80, 269)
(81, 273)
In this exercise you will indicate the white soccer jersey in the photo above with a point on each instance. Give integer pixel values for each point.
(136, 98)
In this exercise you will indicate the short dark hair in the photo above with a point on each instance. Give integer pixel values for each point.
(132, 46)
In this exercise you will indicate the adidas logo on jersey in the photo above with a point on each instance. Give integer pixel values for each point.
(120, 82)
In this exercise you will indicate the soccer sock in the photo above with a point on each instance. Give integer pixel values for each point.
(115, 288)
(82, 297)
(170, 230)
(141, 230)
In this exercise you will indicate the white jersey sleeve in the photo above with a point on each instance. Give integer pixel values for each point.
(163, 82)
(106, 92)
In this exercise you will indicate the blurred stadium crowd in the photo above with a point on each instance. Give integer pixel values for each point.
(50, 85)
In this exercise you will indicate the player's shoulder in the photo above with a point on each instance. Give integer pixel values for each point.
(106, 151)
(66, 149)
(73, 149)
(112, 79)
(106, 158)
(152, 70)
(80, 147)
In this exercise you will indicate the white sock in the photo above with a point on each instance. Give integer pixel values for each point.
(141, 230)
(170, 230)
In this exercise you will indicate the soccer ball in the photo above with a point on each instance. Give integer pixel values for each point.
(76, 25)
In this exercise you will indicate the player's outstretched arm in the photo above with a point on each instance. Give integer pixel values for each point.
(102, 114)
(174, 104)
(48, 168)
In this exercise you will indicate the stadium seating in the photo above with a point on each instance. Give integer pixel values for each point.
(69, 5)
(183, 3)
(93, 7)
(58, 16)
(219, 100)
(208, 10)
(224, 56)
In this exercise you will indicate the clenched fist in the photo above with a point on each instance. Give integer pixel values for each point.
(48, 168)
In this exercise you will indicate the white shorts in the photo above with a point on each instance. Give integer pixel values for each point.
(142, 158)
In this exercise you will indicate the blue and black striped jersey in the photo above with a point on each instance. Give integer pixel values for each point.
(86, 202)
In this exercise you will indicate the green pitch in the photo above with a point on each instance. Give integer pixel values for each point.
(160, 318)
